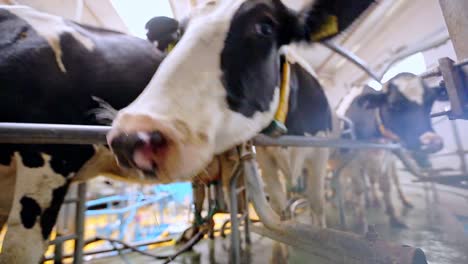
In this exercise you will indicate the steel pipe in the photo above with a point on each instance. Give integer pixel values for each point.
(301, 141)
(26, 133)
(325, 245)
(80, 222)
(235, 235)
(352, 58)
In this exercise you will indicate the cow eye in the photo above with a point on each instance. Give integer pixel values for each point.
(264, 29)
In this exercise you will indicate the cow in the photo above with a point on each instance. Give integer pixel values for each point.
(309, 114)
(54, 70)
(219, 86)
(400, 112)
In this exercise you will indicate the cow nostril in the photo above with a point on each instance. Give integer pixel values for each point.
(156, 139)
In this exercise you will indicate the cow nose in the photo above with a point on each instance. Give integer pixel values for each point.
(138, 150)
(431, 142)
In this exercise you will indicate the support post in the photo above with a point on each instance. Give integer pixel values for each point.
(80, 218)
(235, 234)
(456, 19)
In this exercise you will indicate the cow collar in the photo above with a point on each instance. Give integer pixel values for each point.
(386, 133)
(277, 127)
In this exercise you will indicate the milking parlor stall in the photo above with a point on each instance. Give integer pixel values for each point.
(339, 134)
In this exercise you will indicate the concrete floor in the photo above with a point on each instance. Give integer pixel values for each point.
(438, 224)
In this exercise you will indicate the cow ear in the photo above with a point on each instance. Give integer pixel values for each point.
(163, 30)
(372, 100)
(325, 19)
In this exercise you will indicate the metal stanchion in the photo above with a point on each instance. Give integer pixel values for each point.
(235, 235)
(80, 218)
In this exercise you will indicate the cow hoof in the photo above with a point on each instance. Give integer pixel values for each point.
(396, 223)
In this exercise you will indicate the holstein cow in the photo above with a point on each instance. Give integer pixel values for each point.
(308, 114)
(400, 112)
(50, 70)
(219, 86)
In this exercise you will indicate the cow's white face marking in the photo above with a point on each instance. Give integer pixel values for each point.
(50, 28)
(412, 87)
(186, 100)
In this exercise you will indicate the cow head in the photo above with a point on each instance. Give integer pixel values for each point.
(163, 31)
(404, 106)
(219, 85)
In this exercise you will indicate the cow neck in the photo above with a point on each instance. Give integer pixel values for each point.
(386, 133)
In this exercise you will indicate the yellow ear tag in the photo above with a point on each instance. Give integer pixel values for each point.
(329, 28)
(170, 47)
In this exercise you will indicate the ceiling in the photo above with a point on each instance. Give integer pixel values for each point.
(387, 27)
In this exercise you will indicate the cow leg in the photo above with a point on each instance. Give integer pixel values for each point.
(396, 181)
(385, 187)
(39, 194)
(273, 186)
(7, 190)
(374, 201)
(316, 165)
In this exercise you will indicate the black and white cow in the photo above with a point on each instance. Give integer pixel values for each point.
(309, 115)
(50, 70)
(219, 85)
(400, 112)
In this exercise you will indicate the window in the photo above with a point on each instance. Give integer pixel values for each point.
(413, 64)
(135, 14)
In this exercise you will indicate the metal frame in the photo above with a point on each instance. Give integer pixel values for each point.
(71, 134)
(79, 230)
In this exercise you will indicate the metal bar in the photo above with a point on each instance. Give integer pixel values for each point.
(235, 234)
(80, 221)
(352, 58)
(460, 152)
(247, 238)
(52, 134)
(69, 201)
(300, 141)
(61, 239)
(58, 253)
(443, 113)
(431, 73)
(113, 250)
(325, 245)
(454, 85)
(24, 133)
(410, 164)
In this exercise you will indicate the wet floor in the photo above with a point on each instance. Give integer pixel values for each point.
(438, 224)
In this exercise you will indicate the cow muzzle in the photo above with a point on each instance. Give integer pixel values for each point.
(431, 142)
(140, 150)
